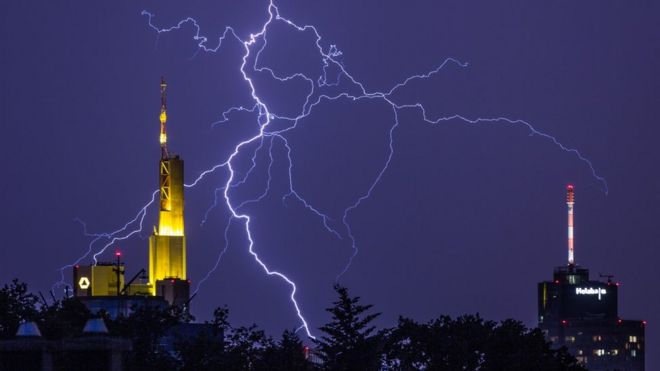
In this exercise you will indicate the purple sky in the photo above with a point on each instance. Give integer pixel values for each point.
(467, 218)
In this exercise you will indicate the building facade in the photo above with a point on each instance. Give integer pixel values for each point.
(582, 315)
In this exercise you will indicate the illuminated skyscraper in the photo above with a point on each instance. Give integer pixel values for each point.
(103, 286)
(167, 245)
(582, 315)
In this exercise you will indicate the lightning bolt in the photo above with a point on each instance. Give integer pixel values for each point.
(132, 227)
(217, 261)
(353, 90)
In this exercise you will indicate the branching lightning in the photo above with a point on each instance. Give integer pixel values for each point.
(352, 90)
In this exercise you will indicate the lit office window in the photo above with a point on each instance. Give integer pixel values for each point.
(570, 339)
(632, 339)
(598, 338)
(633, 353)
(599, 352)
(614, 352)
(580, 352)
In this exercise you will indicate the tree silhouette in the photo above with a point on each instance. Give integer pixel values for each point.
(350, 342)
(470, 343)
(511, 346)
(247, 348)
(443, 343)
(63, 319)
(207, 350)
(288, 354)
(146, 326)
(223, 347)
(16, 305)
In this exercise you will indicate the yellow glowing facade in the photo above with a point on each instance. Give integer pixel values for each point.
(97, 280)
(163, 120)
(167, 245)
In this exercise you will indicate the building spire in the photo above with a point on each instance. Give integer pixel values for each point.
(570, 201)
(163, 119)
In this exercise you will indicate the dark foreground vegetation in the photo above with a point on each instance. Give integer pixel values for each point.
(348, 342)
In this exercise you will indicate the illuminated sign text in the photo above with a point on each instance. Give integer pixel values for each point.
(590, 291)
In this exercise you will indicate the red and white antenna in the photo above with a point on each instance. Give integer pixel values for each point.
(570, 201)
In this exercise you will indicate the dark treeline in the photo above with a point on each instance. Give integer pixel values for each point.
(348, 342)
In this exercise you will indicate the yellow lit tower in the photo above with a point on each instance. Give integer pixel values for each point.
(167, 245)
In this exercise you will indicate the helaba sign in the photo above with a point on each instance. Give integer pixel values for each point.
(590, 291)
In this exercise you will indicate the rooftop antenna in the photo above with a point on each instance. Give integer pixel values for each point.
(43, 299)
(140, 274)
(189, 300)
(52, 295)
(570, 201)
(117, 271)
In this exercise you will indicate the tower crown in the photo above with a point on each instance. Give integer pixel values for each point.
(570, 193)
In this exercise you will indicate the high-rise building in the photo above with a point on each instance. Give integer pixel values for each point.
(167, 245)
(102, 286)
(582, 315)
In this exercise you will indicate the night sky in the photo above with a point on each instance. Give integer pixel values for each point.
(467, 218)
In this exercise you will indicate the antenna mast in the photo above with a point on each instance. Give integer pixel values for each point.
(163, 119)
(570, 201)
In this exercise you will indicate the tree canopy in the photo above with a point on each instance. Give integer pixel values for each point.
(472, 343)
(349, 341)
